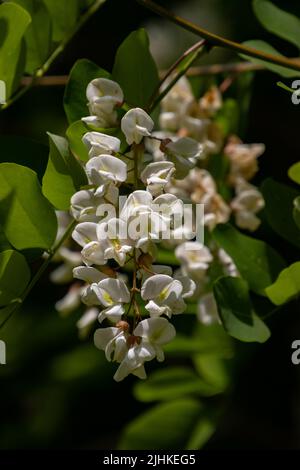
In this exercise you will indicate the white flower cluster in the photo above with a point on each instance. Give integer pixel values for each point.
(164, 168)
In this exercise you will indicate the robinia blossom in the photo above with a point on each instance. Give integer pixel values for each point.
(131, 206)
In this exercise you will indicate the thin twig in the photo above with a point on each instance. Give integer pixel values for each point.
(216, 40)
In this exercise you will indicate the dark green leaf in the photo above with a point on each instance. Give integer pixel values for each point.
(228, 117)
(286, 286)
(38, 34)
(27, 218)
(257, 262)
(14, 276)
(268, 49)
(172, 383)
(64, 175)
(135, 69)
(296, 211)
(279, 210)
(235, 310)
(75, 101)
(277, 21)
(14, 21)
(165, 426)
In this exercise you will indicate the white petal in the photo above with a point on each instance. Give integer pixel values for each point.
(135, 125)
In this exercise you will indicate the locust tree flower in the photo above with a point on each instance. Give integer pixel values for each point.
(195, 259)
(135, 125)
(144, 345)
(248, 202)
(64, 273)
(99, 144)
(115, 242)
(86, 321)
(112, 294)
(70, 302)
(211, 101)
(207, 310)
(85, 234)
(84, 203)
(164, 295)
(181, 152)
(243, 159)
(156, 175)
(106, 168)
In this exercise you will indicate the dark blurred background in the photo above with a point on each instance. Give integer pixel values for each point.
(57, 392)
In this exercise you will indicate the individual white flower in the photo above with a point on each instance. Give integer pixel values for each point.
(70, 302)
(144, 224)
(106, 93)
(188, 285)
(115, 242)
(106, 168)
(180, 152)
(144, 345)
(207, 310)
(99, 144)
(243, 158)
(156, 175)
(85, 234)
(135, 125)
(211, 102)
(195, 258)
(84, 205)
(113, 341)
(86, 321)
(179, 97)
(164, 294)
(64, 273)
(112, 294)
(248, 202)
(228, 264)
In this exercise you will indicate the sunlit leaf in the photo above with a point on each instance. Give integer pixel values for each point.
(38, 34)
(14, 276)
(135, 70)
(294, 172)
(64, 175)
(26, 216)
(258, 263)
(14, 21)
(286, 286)
(235, 310)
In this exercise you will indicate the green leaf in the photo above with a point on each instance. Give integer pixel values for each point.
(202, 432)
(14, 21)
(228, 117)
(75, 101)
(296, 211)
(212, 368)
(64, 175)
(257, 262)
(277, 21)
(172, 383)
(27, 218)
(135, 70)
(268, 49)
(38, 34)
(286, 286)
(235, 310)
(14, 276)
(64, 16)
(279, 200)
(26, 152)
(165, 426)
(294, 172)
(74, 133)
